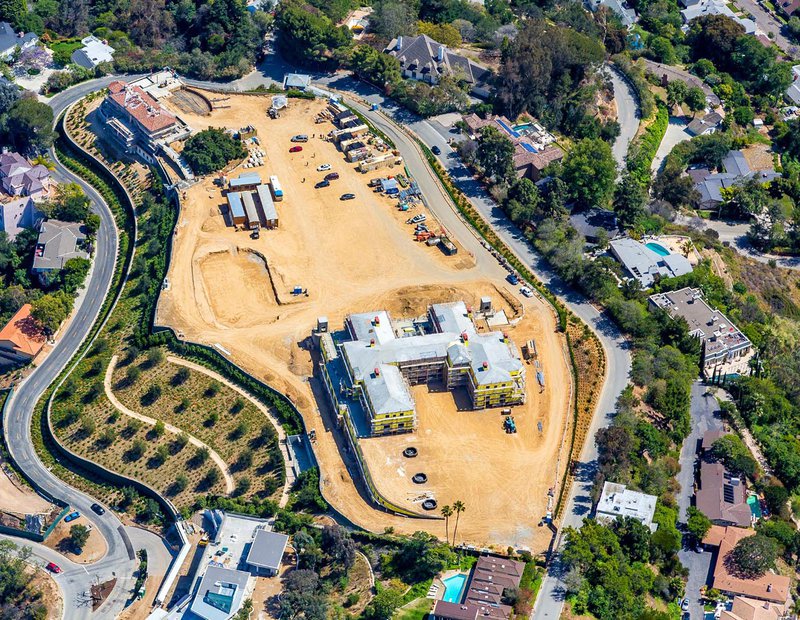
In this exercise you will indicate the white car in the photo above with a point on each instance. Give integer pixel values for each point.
(526, 291)
(323, 167)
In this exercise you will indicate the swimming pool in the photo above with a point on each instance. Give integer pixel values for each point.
(657, 248)
(453, 587)
(523, 128)
(755, 506)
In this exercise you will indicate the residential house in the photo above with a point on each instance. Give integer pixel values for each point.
(595, 223)
(296, 81)
(710, 185)
(645, 264)
(18, 177)
(770, 587)
(744, 608)
(10, 40)
(621, 8)
(21, 338)
(426, 60)
(534, 147)
(709, 437)
(793, 92)
(725, 351)
(716, 7)
(220, 593)
(266, 552)
(139, 125)
(617, 501)
(721, 496)
(788, 7)
(94, 52)
(22, 184)
(358, 21)
(58, 242)
(705, 125)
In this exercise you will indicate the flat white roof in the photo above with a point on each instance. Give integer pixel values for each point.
(618, 501)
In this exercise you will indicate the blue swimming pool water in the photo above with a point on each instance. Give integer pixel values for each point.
(523, 127)
(453, 587)
(755, 506)
(657, 248)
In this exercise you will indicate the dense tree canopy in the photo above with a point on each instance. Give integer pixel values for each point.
(589, 172)
(211, 150)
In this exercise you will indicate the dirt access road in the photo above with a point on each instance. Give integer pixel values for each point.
(233, 292)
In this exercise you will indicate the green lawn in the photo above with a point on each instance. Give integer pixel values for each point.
(66, 46)
(416, 610)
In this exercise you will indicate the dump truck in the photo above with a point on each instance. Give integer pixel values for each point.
(448, 247)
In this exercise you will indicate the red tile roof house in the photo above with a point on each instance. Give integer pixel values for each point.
(484, 591)
(529, 161)
(22, 338)
(769, 587)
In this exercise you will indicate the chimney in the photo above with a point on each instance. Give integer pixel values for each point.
(769, 587)
(440, 55)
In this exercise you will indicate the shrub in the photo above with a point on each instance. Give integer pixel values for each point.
(180, 377)
(152, 394)
(212, 390)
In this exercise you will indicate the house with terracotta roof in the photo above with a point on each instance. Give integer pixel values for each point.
(21, 338)
(426, 60)
(769, 587)
(137, 122)
(534, 147)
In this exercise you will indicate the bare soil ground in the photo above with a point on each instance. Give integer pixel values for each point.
(759, 156)
(229, 290)
(94, 549)
(18, 499)
(43, 582)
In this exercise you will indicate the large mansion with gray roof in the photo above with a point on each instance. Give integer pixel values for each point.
(426, 60)
(725, 349)
(22, 184)
(381, 361)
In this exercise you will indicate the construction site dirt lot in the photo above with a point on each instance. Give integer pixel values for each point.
(233, 292)
(16, 498)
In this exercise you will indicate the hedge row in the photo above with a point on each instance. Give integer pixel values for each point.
(644, 148)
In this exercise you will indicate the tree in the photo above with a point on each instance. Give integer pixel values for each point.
(50, 310)
(445, 34)
(339, 545)
(9, 95)
(589, 171)
(447, 512)
(495, 154)
(310, 38)
(211, 150)
(697, 524)
(754, 555)
(384, 604)
(421, 556)
(159, 429)
(180, 484)
(394, 18)
(12, 10)
(735, 455)
(629, 200)
(676, 92)
(78, 537)
(29, 126)
(695, 99)
(74, 273)
(776, 498)
(458, 508)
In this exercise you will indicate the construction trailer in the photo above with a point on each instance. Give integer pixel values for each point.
(346, 119)
(267, 206)
(236, 209)
(352, 143)
(277, 190)
(359, 154)
(340, 135)
(253, 222)
(389, 187)
(245, 182)
(380, 161)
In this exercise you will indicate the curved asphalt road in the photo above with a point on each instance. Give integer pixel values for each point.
(119, 560)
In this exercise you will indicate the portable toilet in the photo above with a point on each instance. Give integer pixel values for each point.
(486, 305)
(322, 324)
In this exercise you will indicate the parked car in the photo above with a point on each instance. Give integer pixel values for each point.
(323, 183)
(420, 217)
(98, 509)
(53, 568)
(295, 149)
(331, 176)
(685, 605)
(300, 138)
(347, 197)
(72, 516)
(436, 150)
(526, 291)
(512, 278)
(323, 167)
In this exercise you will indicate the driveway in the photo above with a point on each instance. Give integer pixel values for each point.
(676, 73)
(627, 115)
(705, 414)
(675, 134)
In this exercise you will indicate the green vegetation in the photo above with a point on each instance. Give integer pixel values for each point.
(18, 597)
(755, 555)
(644, 148)
(78, 537)
(211, 149)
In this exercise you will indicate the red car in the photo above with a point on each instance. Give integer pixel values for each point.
(296, 149)
(53, 568)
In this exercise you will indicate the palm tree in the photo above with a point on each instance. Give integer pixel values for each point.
(447, 512)
(458, 507)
